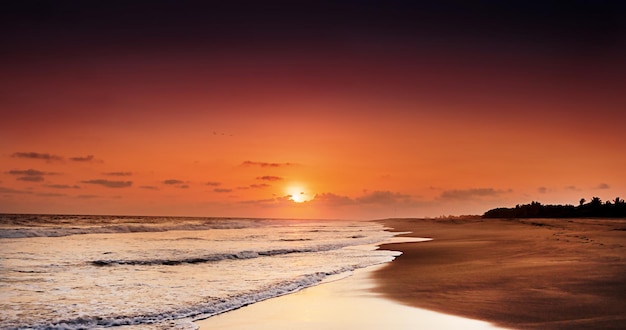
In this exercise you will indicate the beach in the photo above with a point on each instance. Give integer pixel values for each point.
(347, 303)
(473, 274)
(523, 274)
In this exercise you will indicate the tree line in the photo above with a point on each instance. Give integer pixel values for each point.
(593, 209)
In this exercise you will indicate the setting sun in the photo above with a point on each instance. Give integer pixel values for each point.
(297, 194)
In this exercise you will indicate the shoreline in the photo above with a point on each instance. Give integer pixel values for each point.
(351, 302)
(523, 274)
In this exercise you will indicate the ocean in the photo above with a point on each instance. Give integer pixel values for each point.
(78, 272)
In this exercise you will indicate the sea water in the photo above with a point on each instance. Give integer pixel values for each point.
(77, 272)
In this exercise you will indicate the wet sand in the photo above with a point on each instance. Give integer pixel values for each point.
(524, 274)
(349, 303)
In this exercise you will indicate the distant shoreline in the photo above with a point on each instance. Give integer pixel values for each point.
(539, 274)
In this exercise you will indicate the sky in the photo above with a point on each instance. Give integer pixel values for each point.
(310, 109)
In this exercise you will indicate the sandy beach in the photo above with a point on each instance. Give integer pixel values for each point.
(524, 274)
(473, 274)
(347, 303)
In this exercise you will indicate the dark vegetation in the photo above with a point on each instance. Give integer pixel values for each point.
(594, 209)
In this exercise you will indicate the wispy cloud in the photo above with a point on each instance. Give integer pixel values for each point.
(4, 190)
(265, 164)
(30, 172)
(213, 183)
(465, 194)
(30, 175)
(109, 183)
(269, 178)
(254, 186)
(370, 198)
(87, 158)
(542, 190)
(222, 190)
(118, 173)
(37, 155)
(149, 187)
(62, 186)
(333, 199)
(173, 181)
(31, 178)
(603, 186)
(383, 197)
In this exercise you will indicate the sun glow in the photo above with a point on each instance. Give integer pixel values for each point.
(297, 194)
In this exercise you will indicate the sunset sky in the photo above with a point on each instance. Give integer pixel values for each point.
(310, 109)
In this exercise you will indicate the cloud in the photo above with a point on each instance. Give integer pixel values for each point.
(4, 190)
(62, 186)
(173, 181)
(471, 193)
(375, 197)
(213, 183)
(542, 190)
(31, 178)
(261, 185)
(149, 187)
(88, 158)
(383, 197)
(264, 164)
(269, 178)
(36, 155)
(603, 186)
(30, 175)
(333, 199)
(574, 188)
(254, 186)
(259, 201)
(110, 184)
(118, 173)
(29, 172)
(222, 190)
(183, 186)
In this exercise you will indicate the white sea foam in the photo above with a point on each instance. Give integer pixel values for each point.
(21, 226)
(167, 277)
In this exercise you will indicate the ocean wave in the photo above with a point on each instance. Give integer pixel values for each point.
(182, 318)
(213, 257)
(45, 228)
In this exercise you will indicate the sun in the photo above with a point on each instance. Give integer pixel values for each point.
(297, 194)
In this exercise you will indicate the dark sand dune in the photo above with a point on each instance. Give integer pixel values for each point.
(524, 273)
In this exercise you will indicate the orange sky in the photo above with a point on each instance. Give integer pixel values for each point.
(356, 126)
